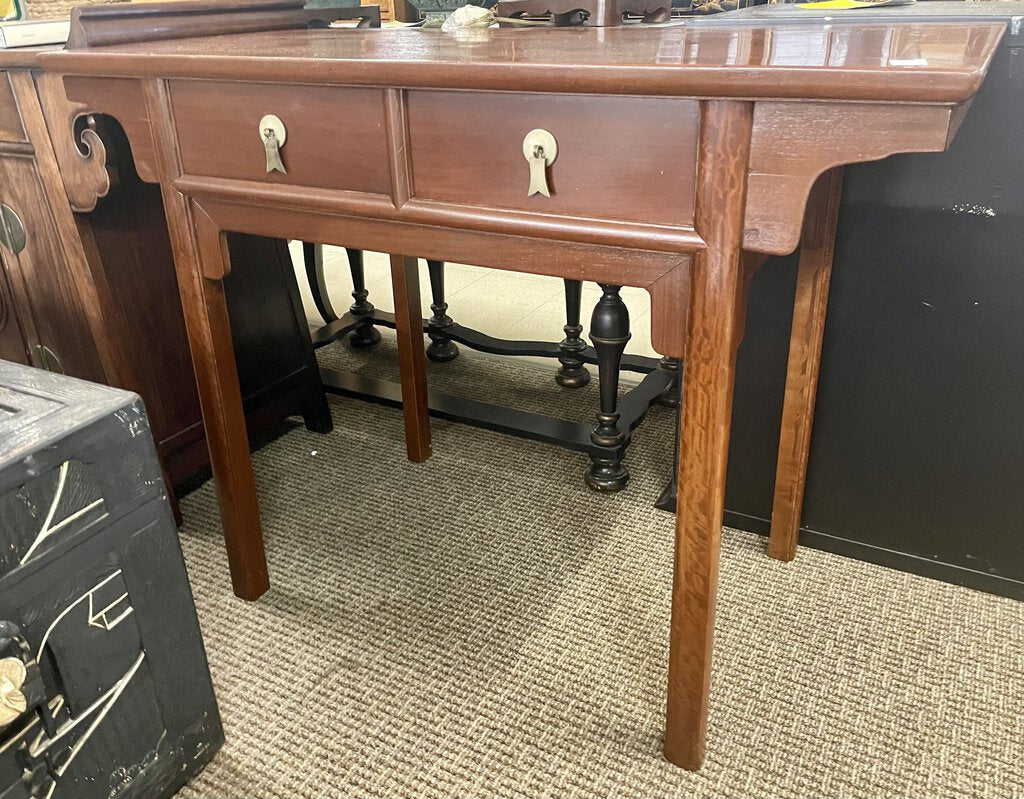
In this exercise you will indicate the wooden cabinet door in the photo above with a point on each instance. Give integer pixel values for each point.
(13, 346)
(42, 290)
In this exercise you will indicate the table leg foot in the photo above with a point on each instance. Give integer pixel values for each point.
(366, 335)
(441, 349)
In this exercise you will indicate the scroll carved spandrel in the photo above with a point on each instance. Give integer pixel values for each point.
(82, 155)
(86, 162)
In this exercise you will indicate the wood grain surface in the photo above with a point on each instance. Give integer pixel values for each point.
(11, 129)
(412, 365)
(717, 297)
(814, 272)
(199, 254)
(679, 61)
(628, 158)
(341, 146)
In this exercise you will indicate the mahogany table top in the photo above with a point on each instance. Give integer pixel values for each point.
(916, 62)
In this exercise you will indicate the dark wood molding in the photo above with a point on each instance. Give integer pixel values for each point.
(99, 26)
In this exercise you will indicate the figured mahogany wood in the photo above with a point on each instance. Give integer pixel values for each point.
(817, 246)
(396, 121)
(412, 365)
(680, 61)
(199, 251)
(448, 215)
(11, 129)
(717, 296)
(783, 167)
(628, 158)
(574, 260)
(334, 135)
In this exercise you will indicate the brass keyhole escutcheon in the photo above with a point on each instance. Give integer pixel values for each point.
(273, 134)
(540, 150)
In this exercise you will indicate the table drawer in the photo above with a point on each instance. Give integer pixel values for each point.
(335, 136)
(619, 158)
(11, 128)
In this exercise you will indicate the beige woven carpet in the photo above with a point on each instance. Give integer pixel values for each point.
(483, 626)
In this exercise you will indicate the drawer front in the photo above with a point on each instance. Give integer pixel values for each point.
(618, 158)
(334, 136)
(11, 128)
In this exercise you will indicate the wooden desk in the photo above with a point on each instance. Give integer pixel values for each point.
(678, 150)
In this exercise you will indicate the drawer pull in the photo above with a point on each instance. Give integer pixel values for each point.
(273, 134)
(12, 231)
(540, 150)
(45, 358)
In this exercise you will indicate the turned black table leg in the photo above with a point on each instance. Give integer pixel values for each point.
(366, 335)
(313, 259)
(573, 373)
(441, 347)
(609, 332)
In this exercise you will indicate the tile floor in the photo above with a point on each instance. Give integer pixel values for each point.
(509, 305)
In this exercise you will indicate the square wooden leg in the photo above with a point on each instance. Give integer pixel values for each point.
(717, 302)
(817, 246)
(412, 364)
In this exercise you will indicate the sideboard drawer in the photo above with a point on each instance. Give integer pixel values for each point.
(619, 158)
(11, 128)
(335, 136)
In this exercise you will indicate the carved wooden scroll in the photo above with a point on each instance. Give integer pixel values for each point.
(85, 166)
(82, 156)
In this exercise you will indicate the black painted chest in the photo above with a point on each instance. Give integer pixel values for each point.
(105, 692)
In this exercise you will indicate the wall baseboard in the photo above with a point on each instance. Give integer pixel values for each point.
(901, 561)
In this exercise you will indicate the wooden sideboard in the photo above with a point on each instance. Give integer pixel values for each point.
(88, 288)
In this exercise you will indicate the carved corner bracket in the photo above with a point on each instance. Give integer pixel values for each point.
(784, 167)
(86, 163)
(80, 152)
